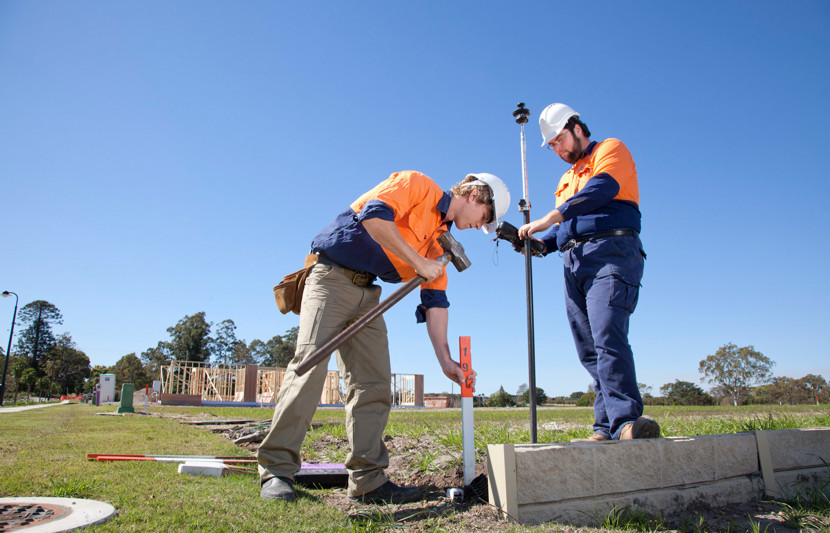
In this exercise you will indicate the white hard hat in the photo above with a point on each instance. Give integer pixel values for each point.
(553, 119)
(500, 195)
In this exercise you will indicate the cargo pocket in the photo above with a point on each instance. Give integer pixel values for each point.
(310, 323)
(625, 294)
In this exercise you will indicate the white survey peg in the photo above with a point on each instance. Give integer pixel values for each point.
(467, 430)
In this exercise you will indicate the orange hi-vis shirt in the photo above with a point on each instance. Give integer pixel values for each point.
(608, 157)
(598, 193)
(417, 206)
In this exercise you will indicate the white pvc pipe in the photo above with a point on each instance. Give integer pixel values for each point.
(468, 442)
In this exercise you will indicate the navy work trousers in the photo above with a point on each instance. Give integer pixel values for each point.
(602, 285)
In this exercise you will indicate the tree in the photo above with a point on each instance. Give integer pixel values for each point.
(242, 354)
(95, 376)
(28, 378)
(129, 369)
(224, 343)
(37, 318)
(190, 338)
(501, 399)
(645, 390)
(43, 386)
(278, 351)
(66, 365)
(784, 390)
(541, 397)
(587, 399)
(685, 393)
(156, 358)
(736, 369)
(817, 385)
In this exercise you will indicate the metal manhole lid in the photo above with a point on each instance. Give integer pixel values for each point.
(51, 515)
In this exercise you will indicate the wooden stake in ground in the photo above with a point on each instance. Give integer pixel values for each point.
(467, 429)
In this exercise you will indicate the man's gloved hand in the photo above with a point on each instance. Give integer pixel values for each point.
(507, 231)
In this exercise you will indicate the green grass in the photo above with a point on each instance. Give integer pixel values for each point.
(42, 454)
(630, 518)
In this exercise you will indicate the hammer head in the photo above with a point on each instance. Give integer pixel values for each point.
(454, 248)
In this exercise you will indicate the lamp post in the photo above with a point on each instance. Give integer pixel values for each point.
(6, 294)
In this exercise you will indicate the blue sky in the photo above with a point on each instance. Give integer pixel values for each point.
(158, 159)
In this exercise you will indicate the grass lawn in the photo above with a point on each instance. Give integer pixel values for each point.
(42, 454)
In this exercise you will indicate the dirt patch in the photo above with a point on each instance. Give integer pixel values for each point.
(428, 464)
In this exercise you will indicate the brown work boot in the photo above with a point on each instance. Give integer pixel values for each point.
(642, 428)
(596, 437)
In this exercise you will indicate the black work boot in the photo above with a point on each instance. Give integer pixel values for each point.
(390, 493)
(278, 488)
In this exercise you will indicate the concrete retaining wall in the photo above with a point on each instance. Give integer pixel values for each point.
(578, 483)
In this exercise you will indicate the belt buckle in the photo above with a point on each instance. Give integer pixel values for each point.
(361, 279)
(568, 245)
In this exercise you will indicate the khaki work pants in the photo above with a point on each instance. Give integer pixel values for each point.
(330, 303)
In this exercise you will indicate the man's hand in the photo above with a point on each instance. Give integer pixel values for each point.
(437, 318)
(507, 231)
(554, 217)
(453, 371)
(429, 269)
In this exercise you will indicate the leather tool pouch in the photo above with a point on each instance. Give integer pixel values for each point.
(289, 292)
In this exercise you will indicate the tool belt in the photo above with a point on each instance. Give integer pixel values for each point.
(289, 292)
(601, 235)
(359, 278)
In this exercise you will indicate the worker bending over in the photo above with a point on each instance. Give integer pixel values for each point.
(390, 234)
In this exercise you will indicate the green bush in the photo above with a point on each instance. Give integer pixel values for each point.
(587, 399)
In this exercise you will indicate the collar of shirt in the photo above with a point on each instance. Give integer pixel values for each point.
(590, 148)
(444, 206)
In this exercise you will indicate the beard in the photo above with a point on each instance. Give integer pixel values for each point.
(577, 153)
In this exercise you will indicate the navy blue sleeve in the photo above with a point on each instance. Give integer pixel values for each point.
(430, 298)
(376, 209)
(550, 239)
(599, 190)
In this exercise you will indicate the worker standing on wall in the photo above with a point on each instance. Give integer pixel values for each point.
(389, 233)
(596, 227)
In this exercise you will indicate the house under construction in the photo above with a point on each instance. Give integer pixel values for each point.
(191, 383)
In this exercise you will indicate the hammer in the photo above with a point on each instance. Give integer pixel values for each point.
(453, 252)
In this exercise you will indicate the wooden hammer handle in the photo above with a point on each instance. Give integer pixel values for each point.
(338, 340)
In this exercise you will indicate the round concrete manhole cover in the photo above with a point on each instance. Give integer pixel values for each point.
(51, 515)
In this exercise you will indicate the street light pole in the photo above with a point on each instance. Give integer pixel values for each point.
(6, 294)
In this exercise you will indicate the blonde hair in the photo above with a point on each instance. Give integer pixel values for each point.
(463, 189)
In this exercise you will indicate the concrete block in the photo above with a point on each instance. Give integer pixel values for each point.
(589, 511)
(686, 460)
(579, 512)
(627, 466)
(734, 454)
(799, 448)
(554, 472)
(804, 482)
(580, 482)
